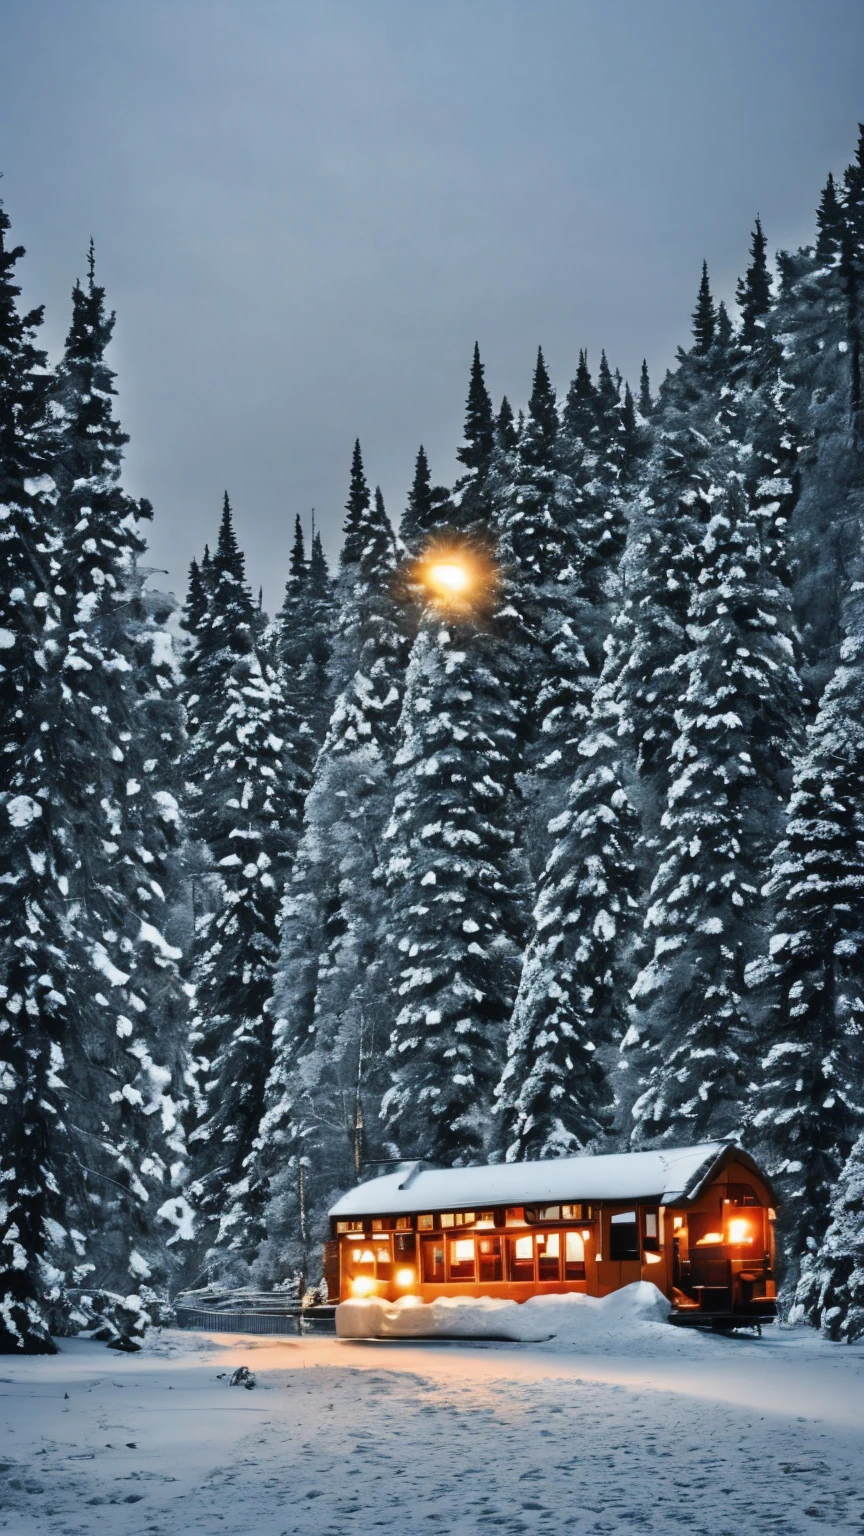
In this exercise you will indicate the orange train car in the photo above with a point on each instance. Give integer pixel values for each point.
(696, 1221)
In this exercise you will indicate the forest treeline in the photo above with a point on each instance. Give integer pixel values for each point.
(572, 861)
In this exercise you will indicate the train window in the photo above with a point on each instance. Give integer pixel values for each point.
(542, 1213)
(574, 1256)
(549, 1256)
(425, 1223)
(650, 1231)
(489, 1259)
(404, 1246)
(485, 1219)
(403, 1223)
(447, 1219)
(520, 1258)
(623, 1235)
(463, 1218)
(383, 1264)
(461, 1258)
(705, 1231)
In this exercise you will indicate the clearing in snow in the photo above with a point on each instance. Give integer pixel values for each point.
(638, 1427)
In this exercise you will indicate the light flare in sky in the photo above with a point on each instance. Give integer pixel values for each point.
(457, 576)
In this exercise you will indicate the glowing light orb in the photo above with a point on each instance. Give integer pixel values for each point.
(460, 577)
(449, 577)
(404, 1279)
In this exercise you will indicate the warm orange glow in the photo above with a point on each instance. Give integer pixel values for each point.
(653, 1258)
(449, 576)
(405, 1279)
(362, 1285)
(740, 1231)
(710, 1237)
(458, 577)
(462, 1250)
(585, 1234)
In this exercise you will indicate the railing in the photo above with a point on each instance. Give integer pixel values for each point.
(257, 1313)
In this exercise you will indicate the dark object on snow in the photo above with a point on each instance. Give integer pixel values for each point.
(127, 1346)
(243, 1377)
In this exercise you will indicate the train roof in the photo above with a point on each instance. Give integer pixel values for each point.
(668, 1176)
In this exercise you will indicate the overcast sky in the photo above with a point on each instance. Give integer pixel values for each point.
(304, 214)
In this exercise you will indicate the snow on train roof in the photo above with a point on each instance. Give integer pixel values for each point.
(666, 1175)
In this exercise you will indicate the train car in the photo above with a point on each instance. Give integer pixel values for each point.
(696, 1221)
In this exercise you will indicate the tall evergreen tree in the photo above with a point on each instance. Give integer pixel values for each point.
(811, 318)
(452, 918)
(830, 1292)
(704, 315)
(754, 289)
(428, 509)
(471, 500)
(301, 642)
(646, 403)
(537, 507)
(34, 1013)
(736, 728)
(195, 607)
(809, 1101)
(555, 1096)
(691, 457)
(326, 1081)
(505, 430)
(245, 809)
(114, 771)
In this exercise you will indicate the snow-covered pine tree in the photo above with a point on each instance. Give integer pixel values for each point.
(813, 321)
(661, 565)
(554, 1094)
(646, 401)
(543, 563)
(853, 268)
(753, 412)
(505, 427)
(326, 1081)
(737, 726)
(112, 719)
(830, 1292)
(195, 607)
(471, 500)
(427, 510)
(808, 1105)
(34, 1013)
(302, 643)
(245, 803)
(453, 919)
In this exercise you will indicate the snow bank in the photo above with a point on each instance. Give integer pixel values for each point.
(569, 1319)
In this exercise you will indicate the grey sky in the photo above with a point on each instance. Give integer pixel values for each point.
(305, 213)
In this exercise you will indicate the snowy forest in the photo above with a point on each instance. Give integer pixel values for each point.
(564, 856)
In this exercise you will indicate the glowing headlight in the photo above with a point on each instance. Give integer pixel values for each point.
(404, 1279)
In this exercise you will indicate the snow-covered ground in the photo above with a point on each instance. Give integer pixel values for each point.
(640, 1429)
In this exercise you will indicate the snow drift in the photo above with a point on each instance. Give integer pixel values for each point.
(569, 1319)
